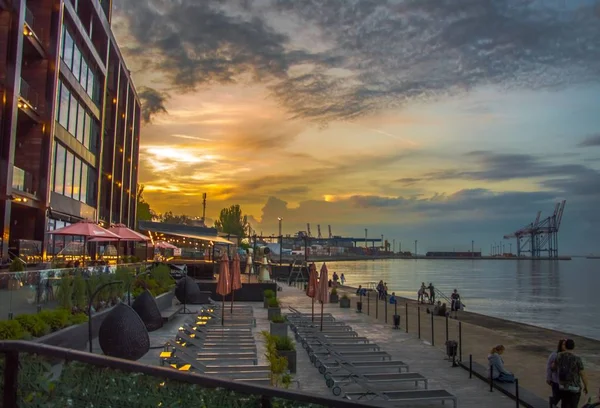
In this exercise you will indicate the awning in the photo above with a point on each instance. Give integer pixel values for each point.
(216, 240)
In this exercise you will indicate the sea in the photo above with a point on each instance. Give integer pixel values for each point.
(559, 295)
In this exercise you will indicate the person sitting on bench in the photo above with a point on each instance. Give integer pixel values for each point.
(496, 364)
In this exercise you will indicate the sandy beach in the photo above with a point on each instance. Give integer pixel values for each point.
(527, 346)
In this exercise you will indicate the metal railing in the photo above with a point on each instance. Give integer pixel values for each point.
(30, 96)
(87, 378)
(23, 181)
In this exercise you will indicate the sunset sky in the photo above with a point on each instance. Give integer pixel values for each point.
(444, 121)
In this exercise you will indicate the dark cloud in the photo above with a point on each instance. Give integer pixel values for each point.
(502, 166)
(408, 181)
(591, 141)
(392, 52)
(153, 102)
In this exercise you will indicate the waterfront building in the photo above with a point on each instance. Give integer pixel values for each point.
(69, 123)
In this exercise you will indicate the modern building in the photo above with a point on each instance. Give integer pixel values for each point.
(69, 123)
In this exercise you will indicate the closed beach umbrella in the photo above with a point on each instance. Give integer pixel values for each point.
(323, 290)
(236, 278)
(224, 283)
(311, 289)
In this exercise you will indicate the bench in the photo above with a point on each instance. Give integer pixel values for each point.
(525, 397)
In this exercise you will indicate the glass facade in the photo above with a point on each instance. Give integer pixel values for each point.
(73, 177)
(73, 116)
(80, 67)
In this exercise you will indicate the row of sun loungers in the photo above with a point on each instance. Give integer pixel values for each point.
(358, 369)
(204, 346)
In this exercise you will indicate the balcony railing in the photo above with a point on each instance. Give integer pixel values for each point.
(28, 95)
(23, 181)
(87, 380)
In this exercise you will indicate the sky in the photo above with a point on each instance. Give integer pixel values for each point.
(442, 121)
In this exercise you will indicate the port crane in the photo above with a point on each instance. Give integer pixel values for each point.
(319, 231)
(330, 236)
(540, 236)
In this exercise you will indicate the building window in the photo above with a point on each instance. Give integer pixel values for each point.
(87, 130)
(80, 124)
(77, 180)
(59, 169)
(69, 175)
(63, 109)
(90, 83)
(76, 63)
(84, 73)
(84, 183)
(67, 54)
(72, 128)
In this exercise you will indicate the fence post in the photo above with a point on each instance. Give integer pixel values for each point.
(369, 302)
(432, 331)
(517, 392)
(459, 341)
(406, 320)
(491, 378)
(11, 375)
(470, 365)
(419, 320)
(446, 328)
(385, 308)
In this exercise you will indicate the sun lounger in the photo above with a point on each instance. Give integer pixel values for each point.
(229, 319)
(329, 368)
(318, 358)
(403, 396)
(315, 341)
(216, 346)
(204, 334)
(326, 347)
(174, 351)
(217, 329)
(338, 382)
(226, 358)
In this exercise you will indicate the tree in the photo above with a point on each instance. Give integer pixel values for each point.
(144, 212)
(231, 221)
(171, 218)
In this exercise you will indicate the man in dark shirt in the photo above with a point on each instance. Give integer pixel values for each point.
(571, 376)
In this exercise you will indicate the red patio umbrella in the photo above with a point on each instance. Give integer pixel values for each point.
(311, 289)
(236, 277)
(323, 290)
(224, 284)
(128, 234)
(88, 230)
(164, 245)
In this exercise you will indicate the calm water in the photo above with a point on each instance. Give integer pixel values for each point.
(557, 295)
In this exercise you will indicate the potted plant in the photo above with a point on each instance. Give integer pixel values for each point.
(333, 296)
(286, 348)
(345, 302)
(274, 308)
(268, 294)
(278, 326)
(15, 267)
(278, 364)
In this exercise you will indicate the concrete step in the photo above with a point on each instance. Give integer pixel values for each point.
(170, 313)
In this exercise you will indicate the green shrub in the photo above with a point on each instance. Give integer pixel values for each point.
(284, 343)
(334, 291)
(57, 319)
(33, 324)
(268, 294)
(162, 275)
(273, 302)
(11, 330)
(344, 296)
(16, 265)
(78, 318)
(64, 293)
(79, 292)
(278, 319)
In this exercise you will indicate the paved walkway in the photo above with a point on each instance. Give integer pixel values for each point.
(422, 358)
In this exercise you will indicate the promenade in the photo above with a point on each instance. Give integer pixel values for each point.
(527, 346)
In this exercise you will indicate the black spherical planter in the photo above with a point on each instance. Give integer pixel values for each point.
(146, 307)
(123, 334)
(187, 291)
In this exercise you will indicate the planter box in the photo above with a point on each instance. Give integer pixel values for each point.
(266, 303)
(291, 358)
(359, 306)
(279, 329)
(165, 301)
(75, 337)
(345, 303)
(334, 298)
(273, 311)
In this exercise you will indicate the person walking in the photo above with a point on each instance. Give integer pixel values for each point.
(342, 279)
(552, 374)
(572, 378)
(455, 306)
(431, 293)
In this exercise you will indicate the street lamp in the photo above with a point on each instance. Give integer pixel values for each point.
(279, 219)
(280, 243)
(416, 242)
